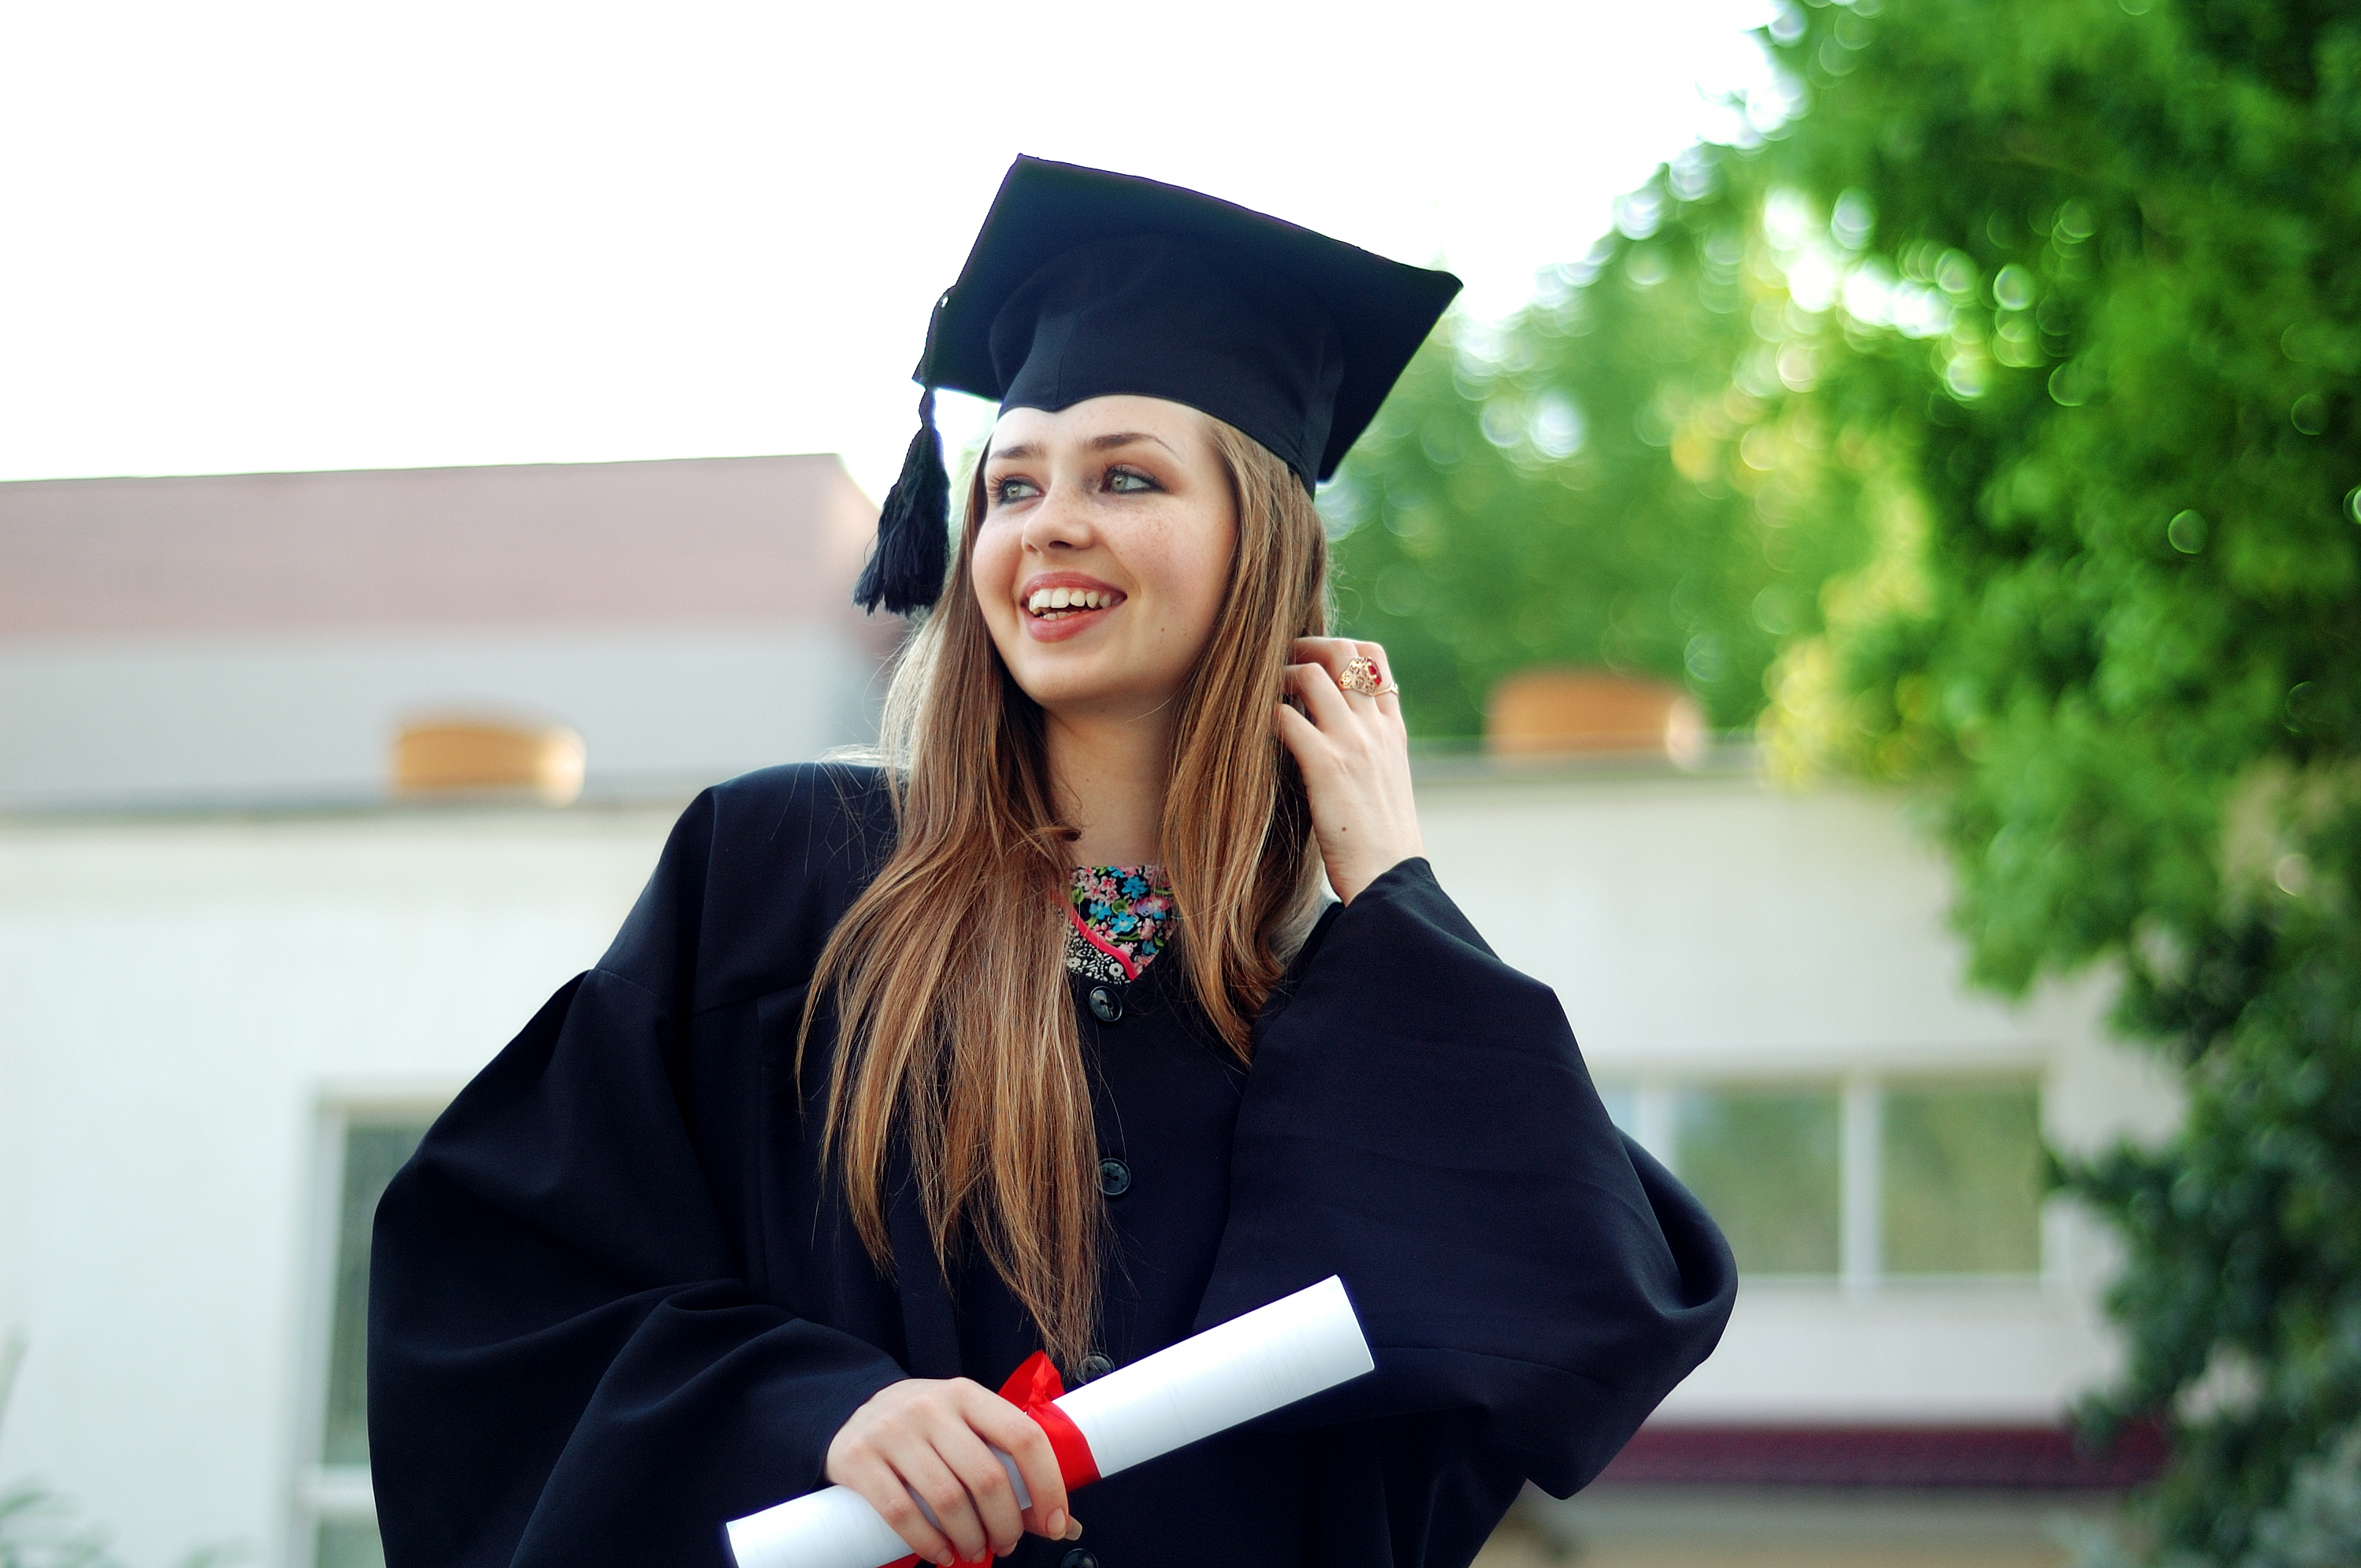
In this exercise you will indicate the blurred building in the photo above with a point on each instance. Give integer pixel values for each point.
(262, 639)
(239, 971)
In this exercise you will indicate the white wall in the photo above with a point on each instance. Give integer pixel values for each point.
(1713, 926)
(179, 998)
(176, 999)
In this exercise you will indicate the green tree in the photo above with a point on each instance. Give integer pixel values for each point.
(1626, 474)
(2000, 415)
(2102, 260)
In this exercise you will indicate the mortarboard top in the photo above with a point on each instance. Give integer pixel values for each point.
(1084, 283)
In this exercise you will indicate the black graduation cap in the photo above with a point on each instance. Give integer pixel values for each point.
(1084, 283)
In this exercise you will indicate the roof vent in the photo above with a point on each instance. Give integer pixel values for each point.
(1560, 712)
(461, 757)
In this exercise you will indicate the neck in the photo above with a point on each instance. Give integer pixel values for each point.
(1110, 775)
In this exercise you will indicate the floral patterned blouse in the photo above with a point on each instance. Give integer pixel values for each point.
(1121, 918)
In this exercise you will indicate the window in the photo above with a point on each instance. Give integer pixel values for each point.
(1963, 1173)
(336, 1517)
(1764, 1162)
(1865, 1178)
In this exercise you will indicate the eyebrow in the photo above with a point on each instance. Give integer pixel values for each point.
(1027, 450)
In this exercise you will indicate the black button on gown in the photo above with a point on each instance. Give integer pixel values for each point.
(614, 1304)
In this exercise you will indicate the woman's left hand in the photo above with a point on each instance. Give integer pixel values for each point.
(1355, 755)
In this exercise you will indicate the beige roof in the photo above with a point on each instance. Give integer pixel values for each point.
(697, 539)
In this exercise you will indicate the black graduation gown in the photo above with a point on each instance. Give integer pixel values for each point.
(614, 1304)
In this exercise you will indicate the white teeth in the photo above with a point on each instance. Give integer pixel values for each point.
(1048, 601)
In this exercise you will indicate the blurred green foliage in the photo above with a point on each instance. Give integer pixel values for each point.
(2243, 1292)
(2102, 260)
(35, 1534)
(39, 1527)
(1999, 417)
(2135, 435)
(1623, 475)
(38, 1530)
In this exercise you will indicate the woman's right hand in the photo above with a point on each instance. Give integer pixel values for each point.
(935, 1437)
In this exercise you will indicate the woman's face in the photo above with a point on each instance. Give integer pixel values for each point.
(1104, 551)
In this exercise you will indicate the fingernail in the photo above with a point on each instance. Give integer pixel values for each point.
(1055, 1525)
(1073, 1529)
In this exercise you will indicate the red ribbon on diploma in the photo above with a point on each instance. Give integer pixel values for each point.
(1033, 1388)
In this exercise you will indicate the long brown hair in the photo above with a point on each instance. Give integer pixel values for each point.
(957, 1033)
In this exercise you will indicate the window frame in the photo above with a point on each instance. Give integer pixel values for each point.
(319, 1492)
(1860, 1091)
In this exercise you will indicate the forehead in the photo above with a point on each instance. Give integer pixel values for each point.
(1183, 428)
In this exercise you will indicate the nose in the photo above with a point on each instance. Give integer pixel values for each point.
(1061, 520)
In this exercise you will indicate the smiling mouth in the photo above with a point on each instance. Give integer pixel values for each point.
(1055, 604)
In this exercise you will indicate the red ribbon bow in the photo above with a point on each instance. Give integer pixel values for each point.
(1033, 1388)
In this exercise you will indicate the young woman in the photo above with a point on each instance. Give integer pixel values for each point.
(1116, 1001)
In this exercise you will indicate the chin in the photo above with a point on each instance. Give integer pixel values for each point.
(1067, 689)
(1080, 692)
(1043, 668)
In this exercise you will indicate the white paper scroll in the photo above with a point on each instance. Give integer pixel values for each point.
(1208, 1383)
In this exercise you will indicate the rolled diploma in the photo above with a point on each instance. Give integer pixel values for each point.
(1206, 1384)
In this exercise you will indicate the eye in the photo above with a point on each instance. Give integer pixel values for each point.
(1009, 491)
(1129, 481)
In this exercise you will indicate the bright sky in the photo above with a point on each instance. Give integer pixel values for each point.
(240, 236)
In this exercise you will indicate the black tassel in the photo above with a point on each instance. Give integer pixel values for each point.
(906, 570)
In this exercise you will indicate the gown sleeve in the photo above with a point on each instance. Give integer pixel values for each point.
(566, 1362)
(1419, 1122)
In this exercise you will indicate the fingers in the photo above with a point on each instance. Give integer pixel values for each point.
(1387, 697)
(1358, 670)
(1330, 653)
(1353, 752)
(1383, 697)
(991, 1498)
(945, 1491)
(1299, 735)
(1364, 673)
(881, 1488)
(1324, 701)
(1015, 1434)
(922, 1445)
(1335, 654)
(1353, 719)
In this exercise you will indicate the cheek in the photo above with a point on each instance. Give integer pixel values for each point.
(1194, 568)
(992, 566)
(1211, 570)
(990, 553)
